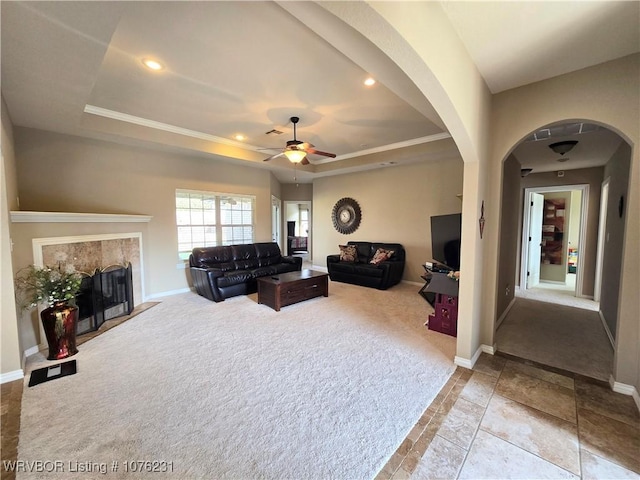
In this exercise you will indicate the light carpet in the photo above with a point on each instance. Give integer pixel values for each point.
(569, 338)
(326, 388)
(559, 297)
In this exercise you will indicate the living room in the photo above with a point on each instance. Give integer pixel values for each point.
(62, 172)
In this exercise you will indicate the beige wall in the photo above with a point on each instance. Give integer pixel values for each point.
(509, 235)
(102, 177)
(397, 204)
(617, 171)
(292, 192)
(10, 345)
(607, 94)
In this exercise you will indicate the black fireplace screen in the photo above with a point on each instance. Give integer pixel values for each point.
(106, 294)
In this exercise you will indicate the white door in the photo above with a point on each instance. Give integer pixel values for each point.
(276, 222)
(535, 239)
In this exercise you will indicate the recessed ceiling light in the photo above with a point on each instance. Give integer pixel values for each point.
(239, 137)
(152, 64)
(370, 82)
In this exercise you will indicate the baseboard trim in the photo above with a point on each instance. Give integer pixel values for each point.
(606, 329)
(27, 353)
(167, 293)
(11, 376)
(505, 313)
(318, 267)
(490, 349)
(466, 363)
(625, 389)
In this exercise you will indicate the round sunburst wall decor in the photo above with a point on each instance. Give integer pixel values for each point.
(346, 215)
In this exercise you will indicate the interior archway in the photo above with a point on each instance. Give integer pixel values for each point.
(567, 335)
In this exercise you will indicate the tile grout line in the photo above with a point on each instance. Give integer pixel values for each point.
(424, 446)
(575, 399)
(468, 450)
(541, 411)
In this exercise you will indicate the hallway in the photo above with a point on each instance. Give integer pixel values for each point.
(568, 336)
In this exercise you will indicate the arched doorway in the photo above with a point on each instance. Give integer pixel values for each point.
(567, 335)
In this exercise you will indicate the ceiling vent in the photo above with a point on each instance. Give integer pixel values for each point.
(274, 132)
(562, 130)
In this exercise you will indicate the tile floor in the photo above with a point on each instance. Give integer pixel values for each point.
(509, 418)
(506, 418)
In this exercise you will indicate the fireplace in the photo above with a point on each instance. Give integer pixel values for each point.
(106, 294)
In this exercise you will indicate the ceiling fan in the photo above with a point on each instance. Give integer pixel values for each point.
(296, 151)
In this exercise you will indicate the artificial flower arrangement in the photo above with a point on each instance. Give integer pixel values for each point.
(48, 284)
(454, 275)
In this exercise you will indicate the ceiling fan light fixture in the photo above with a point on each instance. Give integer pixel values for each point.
(563, 147)
(152, 64)
(295, 156)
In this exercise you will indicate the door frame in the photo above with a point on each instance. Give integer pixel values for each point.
(602, 232)
(309, 203)
(276, 220)
(531, 243)
(524, 254)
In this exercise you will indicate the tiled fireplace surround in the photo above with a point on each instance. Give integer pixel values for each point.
(89, 241)
(88, 253)
(94, 252)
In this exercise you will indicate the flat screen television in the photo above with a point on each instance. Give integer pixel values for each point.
(446, 232)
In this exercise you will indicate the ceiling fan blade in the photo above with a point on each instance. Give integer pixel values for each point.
(305, 161)
(273, 156)
(313, 151)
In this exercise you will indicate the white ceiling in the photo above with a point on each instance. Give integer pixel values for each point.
(247, 67)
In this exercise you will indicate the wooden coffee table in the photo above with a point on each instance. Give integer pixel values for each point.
(292, 287)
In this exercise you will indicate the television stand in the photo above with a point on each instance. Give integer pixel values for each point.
(428, 296)
(445, 315)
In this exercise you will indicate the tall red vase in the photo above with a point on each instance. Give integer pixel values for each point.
(59, 322)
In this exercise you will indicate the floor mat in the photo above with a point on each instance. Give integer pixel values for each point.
(52, 372)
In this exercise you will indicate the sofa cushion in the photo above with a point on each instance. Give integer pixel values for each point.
(368, 270)
(234, 278)
(381, 255)
(286, 267)
(348, 253)
(364, 251)
(264, 271)
(244, 256)
(268, 253)
(343, 267)
(210, 256)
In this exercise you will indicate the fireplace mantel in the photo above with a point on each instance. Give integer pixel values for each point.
(70, 217)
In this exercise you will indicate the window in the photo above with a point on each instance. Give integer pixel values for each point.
(304, 222)
(207, 219)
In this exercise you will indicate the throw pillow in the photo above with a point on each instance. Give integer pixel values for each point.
(381, 255)
(348, 253)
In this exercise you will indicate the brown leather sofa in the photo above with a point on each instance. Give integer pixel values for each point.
(227, 271)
